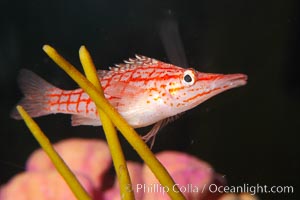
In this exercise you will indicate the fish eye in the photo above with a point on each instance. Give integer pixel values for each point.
(189, 77)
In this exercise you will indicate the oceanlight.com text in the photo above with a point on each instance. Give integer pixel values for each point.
(251, 189)
(213, 188)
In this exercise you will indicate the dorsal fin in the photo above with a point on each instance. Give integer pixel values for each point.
(102, 73)
(132, 63)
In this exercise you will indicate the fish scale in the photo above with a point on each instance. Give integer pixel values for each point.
(143, 90)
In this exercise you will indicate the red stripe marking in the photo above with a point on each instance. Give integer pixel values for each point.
(209, 77)
(78, 101)
(87, 106)
(164, 78)
(199, 95)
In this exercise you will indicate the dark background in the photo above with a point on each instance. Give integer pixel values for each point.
(250, 134)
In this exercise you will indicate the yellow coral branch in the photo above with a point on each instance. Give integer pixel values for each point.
(128, 132)
(109, 129)
(59, 164)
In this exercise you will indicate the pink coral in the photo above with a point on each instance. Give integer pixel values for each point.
(41, 185)
(189, 173)
(90, 160)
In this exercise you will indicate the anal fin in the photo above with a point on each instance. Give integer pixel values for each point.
(78, 120)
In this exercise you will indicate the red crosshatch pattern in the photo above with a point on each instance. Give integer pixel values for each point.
(143, 90)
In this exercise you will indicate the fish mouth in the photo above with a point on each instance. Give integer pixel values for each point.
(237, 80)
(231, 81)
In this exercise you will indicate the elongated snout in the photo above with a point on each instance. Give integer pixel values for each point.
(222, 81)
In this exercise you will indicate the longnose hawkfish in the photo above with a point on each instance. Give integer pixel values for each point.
(143, 90)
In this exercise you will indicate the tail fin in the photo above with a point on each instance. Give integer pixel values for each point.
(35, 102)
